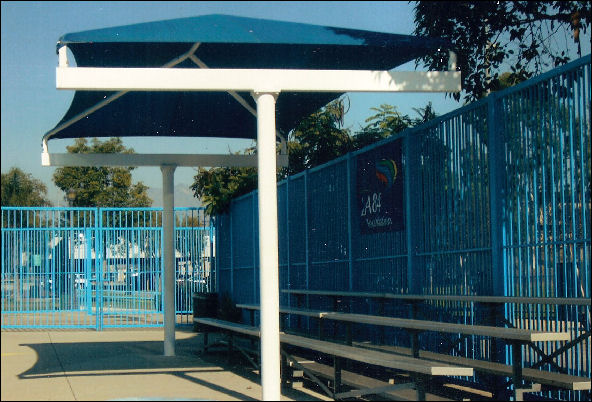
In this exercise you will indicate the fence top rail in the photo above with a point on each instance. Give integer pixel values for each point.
(8, 208)
(49, 208)
(579, 301)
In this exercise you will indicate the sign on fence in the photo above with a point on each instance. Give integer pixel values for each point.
(380, 189)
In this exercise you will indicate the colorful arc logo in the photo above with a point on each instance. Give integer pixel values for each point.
(386, 172)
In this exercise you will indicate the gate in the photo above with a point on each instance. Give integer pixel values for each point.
(99, 267)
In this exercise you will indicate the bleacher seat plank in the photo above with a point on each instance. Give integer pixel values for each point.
(358, 381)
(515, 334)
(553, 379)
(231, 326)
(368, 356)
(287, 310)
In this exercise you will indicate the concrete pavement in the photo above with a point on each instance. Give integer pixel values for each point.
(126, 364)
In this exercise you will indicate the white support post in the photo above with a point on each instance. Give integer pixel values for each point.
(168, 228)
(63, 57)
(268, 246)
(451, 61)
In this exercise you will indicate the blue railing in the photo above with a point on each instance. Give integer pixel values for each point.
(496, 201)
(99, 267)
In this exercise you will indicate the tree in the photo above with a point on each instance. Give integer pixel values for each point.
(317, 139)
(425, 114)
(101, 186)
(386, 122)
(529, 36)
(20, 189)
(217, 187)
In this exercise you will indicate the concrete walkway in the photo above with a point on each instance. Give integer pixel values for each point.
(127, 364)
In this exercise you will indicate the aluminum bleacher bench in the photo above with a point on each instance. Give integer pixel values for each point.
(552, 379)
(514, 336)
(419, 370)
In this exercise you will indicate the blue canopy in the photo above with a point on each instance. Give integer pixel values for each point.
(225, 42)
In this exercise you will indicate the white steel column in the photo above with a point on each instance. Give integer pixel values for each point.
(168, 228)
(268, 246)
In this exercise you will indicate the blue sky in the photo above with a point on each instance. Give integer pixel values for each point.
(31, 105)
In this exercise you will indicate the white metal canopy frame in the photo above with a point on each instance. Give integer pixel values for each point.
(264, 85)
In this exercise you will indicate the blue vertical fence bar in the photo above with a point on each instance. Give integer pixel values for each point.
(547, 162)
(412, 216)
(454, 242)
(243, 258)
(284, 248)
(193, 256)
(497, 200)
(224, 248)
(44, 274)
(131, 280)
(99, 267)
(497, 203)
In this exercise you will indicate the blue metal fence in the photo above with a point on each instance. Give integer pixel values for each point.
(497, 202)
(99, 267)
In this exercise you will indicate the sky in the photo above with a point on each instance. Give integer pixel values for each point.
(31, 105)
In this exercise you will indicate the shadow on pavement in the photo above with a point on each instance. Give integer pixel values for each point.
(121, 358)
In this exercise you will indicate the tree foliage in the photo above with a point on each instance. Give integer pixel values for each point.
(385, 122)
(319, 138)
(523, 38)
(101, 186)
(216, 187)
(316, 140)
(20, 189)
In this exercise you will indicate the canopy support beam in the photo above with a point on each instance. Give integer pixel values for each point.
(186, 160)
(268, 246)
(247, 80)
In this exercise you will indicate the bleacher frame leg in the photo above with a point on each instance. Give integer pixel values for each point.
(420, 387)
(336, 374)
(230, 346)
(284, 370)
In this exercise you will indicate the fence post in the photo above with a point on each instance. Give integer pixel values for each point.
(88, 270)
(306, 234)
(287, 231)
(99, 269)
(412, 218)
(306, 245)
(497, 195)
(349, 224)
(230, 214)
(254, 220)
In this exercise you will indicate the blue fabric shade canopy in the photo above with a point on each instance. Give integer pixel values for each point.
(216, 42)
(225, 42)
